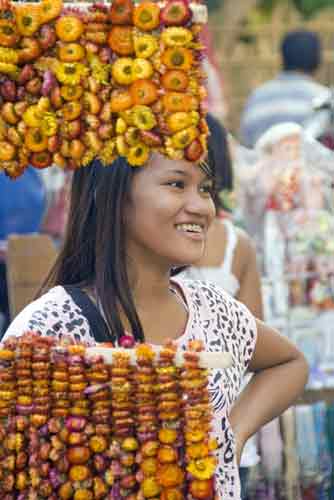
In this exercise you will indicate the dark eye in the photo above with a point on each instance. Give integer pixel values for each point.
(207, 189)
(176, 184)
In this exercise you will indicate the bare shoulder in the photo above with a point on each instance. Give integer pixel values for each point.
(245, 252)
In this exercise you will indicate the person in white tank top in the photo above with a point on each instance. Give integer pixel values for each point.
(230, 261)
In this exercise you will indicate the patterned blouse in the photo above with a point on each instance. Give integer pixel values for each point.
(214, 317)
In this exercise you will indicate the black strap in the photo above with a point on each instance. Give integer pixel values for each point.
(98, 327)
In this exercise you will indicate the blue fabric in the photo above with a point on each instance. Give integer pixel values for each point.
(22, 204)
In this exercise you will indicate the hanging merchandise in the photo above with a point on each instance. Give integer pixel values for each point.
(285, 192)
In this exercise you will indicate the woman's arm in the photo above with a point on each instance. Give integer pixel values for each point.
(250, 292)
(280, 375)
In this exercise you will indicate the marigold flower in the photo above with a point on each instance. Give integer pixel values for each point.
(145, 45)
(143, 117)
(122, 70)
(203, 468)
(70, 73)
(138, 155)
(176, 37)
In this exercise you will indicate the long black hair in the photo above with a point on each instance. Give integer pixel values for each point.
(219, 159)
(94, 251)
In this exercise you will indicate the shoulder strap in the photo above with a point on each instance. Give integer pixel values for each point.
(232, 239)
(97, 324)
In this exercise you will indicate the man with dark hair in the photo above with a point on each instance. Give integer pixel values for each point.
(290, 96)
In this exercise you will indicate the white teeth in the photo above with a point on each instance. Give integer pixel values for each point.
(193, 228)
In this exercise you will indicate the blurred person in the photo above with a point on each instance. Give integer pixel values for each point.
(290, 96)
(229, 260)
(22, 208)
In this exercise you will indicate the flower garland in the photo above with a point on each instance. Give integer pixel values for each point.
(76, 85)
(74, 427)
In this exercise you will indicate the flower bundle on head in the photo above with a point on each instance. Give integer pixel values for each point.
(98, 82)
(74, 427)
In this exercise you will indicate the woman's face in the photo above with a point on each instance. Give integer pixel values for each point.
(169, 211)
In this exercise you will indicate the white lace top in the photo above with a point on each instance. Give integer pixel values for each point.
(214, 317)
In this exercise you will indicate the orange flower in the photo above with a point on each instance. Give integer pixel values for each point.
(171, 494)
(178, 101)
(202, 489)
(167, 436)
(50, 9)
(143, 92)
(178, 58)
(146, 16)
(120, 100)
(175, 79)
(170, 475)
(8, 33)
(197, 450)
(71, 52)
(167, 455)
(35, 141)
(120, 40)
(27, 18)
(149, 466)
(69, 28)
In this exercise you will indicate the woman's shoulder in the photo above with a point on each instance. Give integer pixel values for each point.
(226, 321)
(54, 314)
(209, 296)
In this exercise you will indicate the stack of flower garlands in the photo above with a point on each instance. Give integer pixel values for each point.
(73, 427)
(107, 80)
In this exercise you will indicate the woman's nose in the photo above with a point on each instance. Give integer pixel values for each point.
(200, 204)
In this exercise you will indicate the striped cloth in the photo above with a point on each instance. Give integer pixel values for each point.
(287, 98)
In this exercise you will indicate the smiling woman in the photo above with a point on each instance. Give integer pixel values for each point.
(127, 229)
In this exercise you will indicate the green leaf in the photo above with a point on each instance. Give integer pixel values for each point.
(308, 8)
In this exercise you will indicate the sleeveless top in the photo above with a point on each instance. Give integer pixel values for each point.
(221, 276)
(224, 277)
(214, 317)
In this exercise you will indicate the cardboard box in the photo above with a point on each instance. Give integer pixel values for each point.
(29, 260)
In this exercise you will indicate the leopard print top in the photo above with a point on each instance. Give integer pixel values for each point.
(222, 323)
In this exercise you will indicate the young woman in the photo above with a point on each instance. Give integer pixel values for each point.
(229, 259)
(127, 229)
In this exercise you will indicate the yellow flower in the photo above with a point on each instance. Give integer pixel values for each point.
(179, 121)
(150, 487)
(132, 136)
(121, 126)
(48, 124)
(138, 155)
(121, 146)
(183, 138)
(174, 154)
(100, 71)
(142, 68)
(87, 157)
(108, 153)
(70, 73)
(127, 116)
(32, 116)
(8, 68)
(8, 55)
(203, 468)
(145, 46)
(176, 37)
(122, 70)
(144, 351)
(143, 117)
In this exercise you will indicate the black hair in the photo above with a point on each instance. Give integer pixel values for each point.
(301, 51)
(219, 159)
(94, 253)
